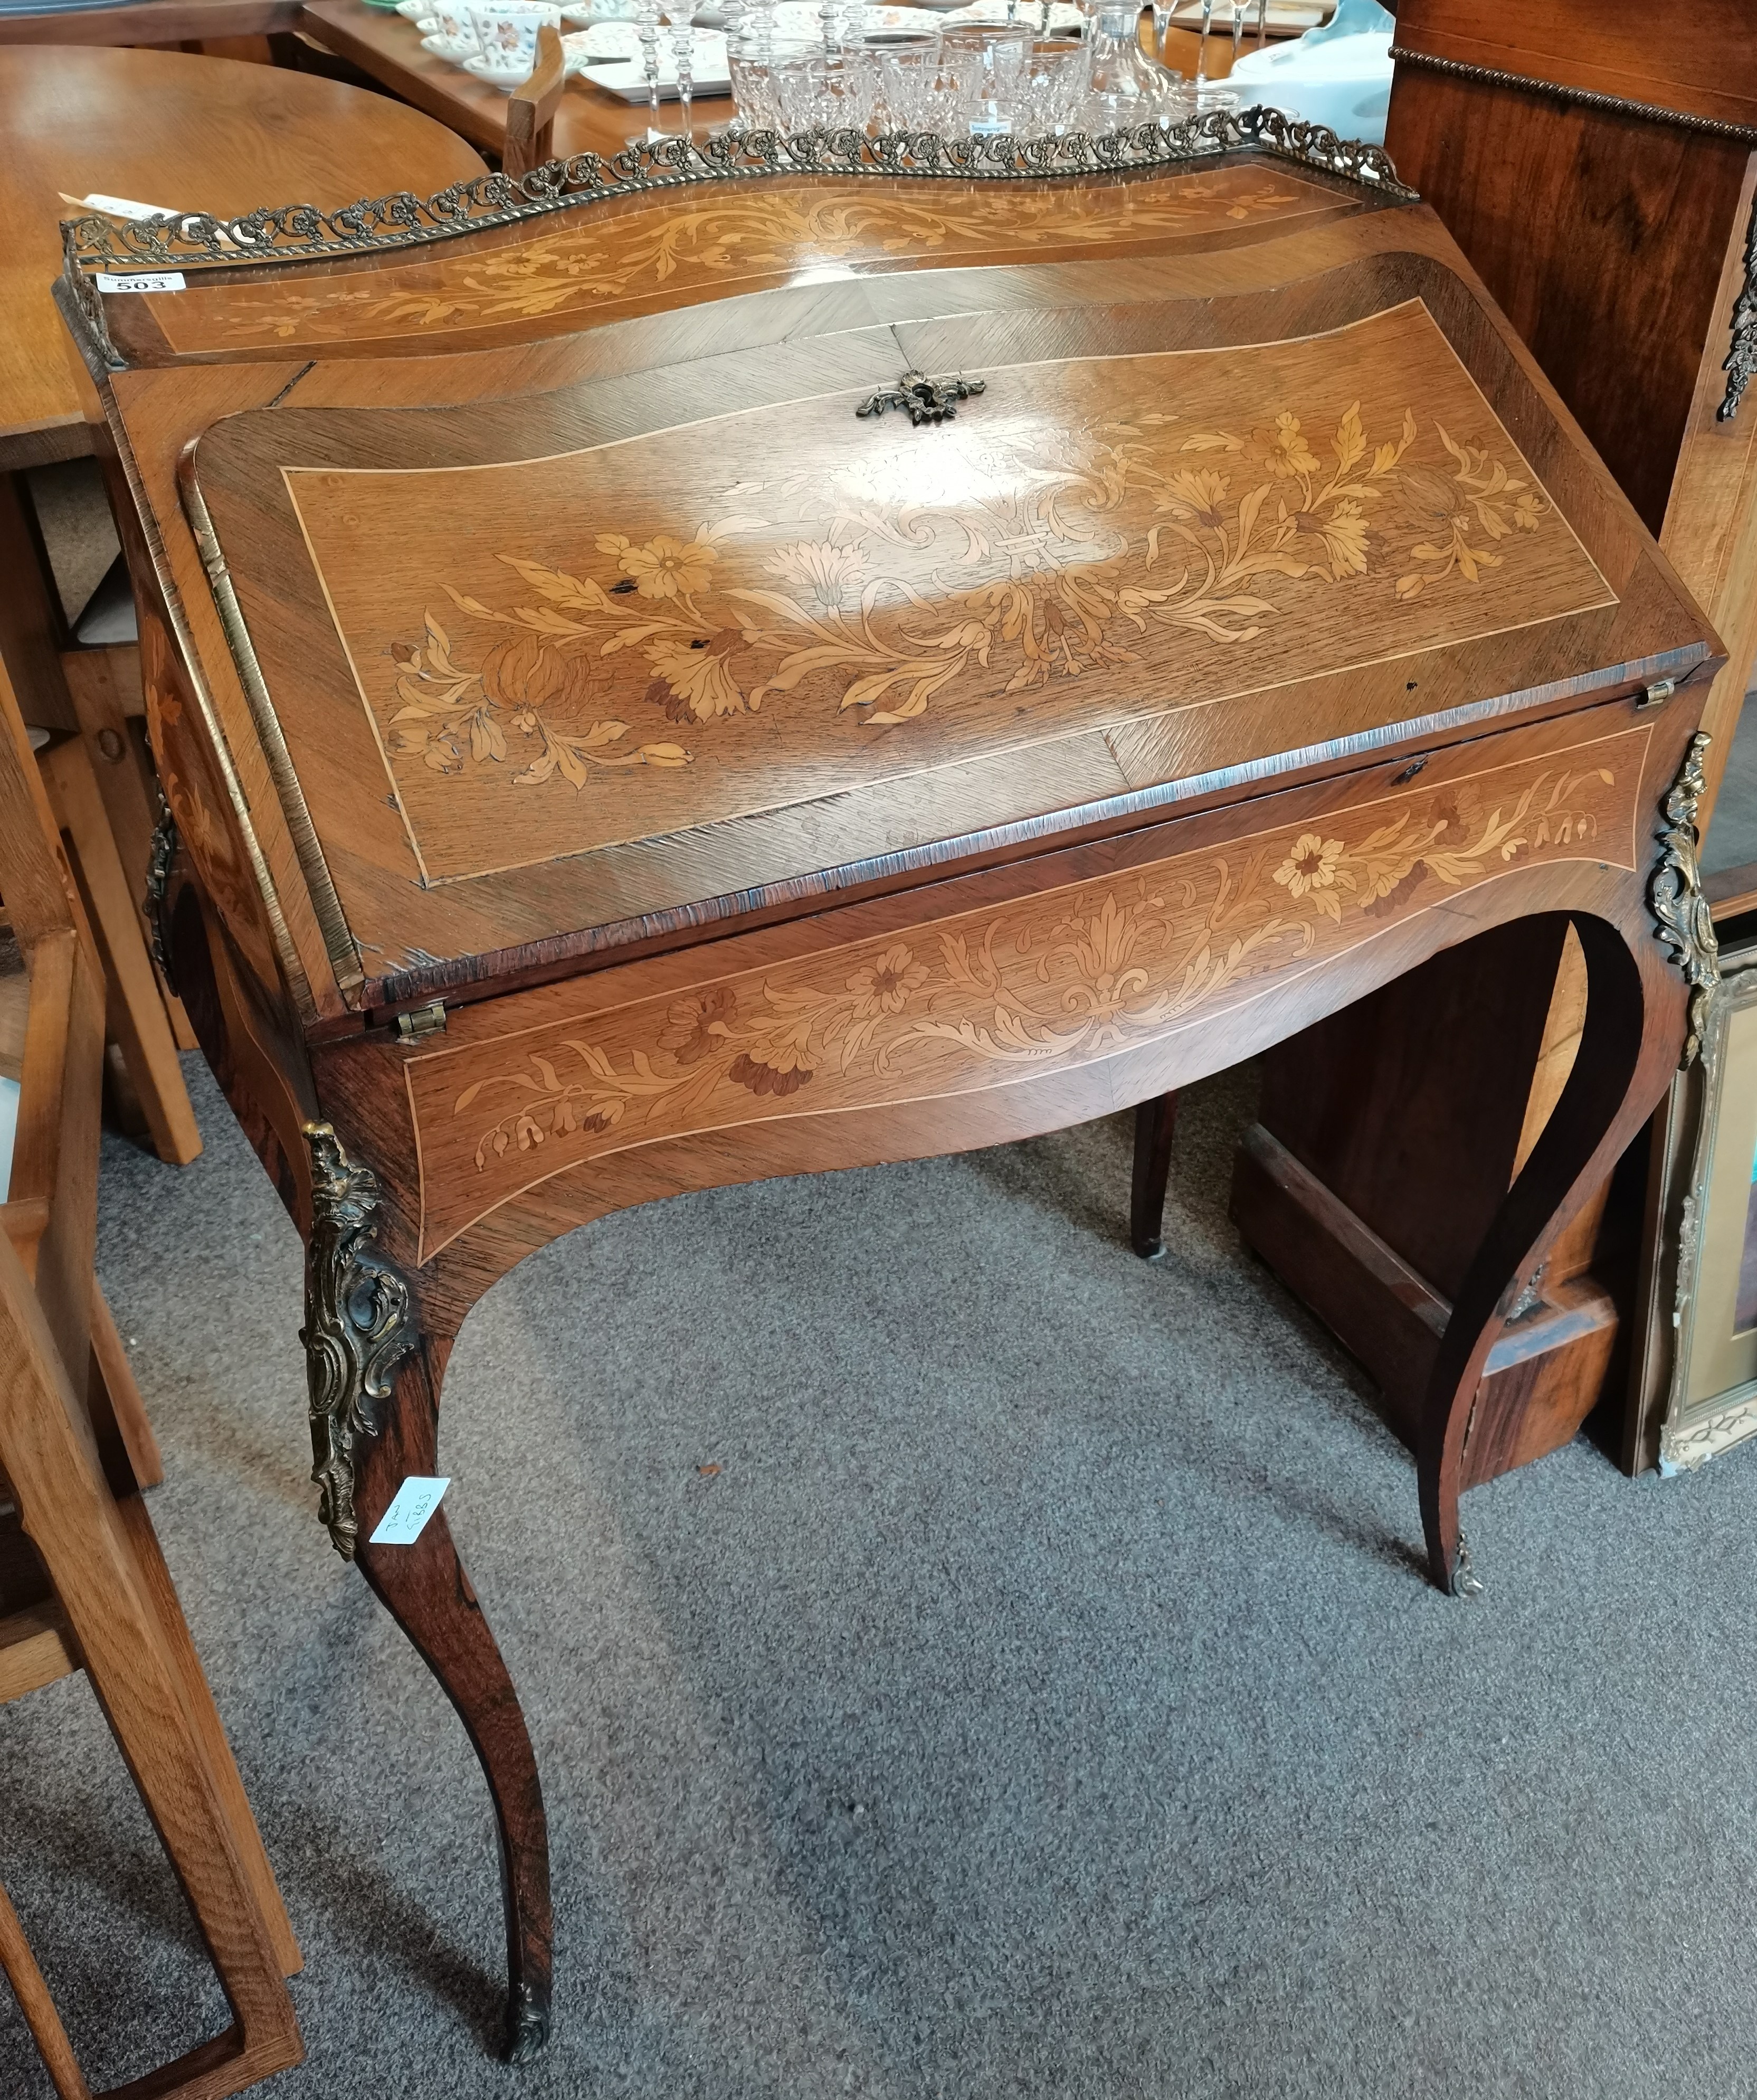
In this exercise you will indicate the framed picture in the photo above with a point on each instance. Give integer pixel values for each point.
(1707, 1153)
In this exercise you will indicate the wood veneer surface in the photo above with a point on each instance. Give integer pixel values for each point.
(688, 627)
(1701, 60)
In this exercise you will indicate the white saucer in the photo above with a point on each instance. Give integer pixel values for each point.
(499, 77)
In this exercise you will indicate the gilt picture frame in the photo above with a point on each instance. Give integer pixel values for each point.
(1706, 1149)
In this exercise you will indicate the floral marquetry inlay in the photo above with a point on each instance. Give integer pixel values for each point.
(782, 604)
(700, 242)
(1058, 979)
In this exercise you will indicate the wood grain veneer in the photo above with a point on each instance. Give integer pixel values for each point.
(532, 622)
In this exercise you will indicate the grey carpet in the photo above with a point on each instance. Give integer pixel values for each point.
(1042, 1700)
(80, 534)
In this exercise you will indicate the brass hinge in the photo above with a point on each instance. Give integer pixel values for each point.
(1656, 694)
(428, 1020)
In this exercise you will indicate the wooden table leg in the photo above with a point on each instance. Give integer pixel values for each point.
(1155, 1122)
(33, 633)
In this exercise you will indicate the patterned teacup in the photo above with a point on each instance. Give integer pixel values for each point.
(452, 35)
(507, 32)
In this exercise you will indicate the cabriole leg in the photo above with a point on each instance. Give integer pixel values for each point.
(426, 1590)
(375, 1384)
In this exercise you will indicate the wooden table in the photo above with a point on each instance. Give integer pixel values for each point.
(152, 22)
(382, 44)
(164, 127)
(618, 748)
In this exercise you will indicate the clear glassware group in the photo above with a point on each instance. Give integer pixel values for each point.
(961, 80)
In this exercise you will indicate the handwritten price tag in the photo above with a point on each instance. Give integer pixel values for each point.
(410, 1507)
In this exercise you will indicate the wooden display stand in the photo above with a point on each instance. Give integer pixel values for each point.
(1594, 158)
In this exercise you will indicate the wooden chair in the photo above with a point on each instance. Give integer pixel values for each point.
(82, 1582)
(530, 109)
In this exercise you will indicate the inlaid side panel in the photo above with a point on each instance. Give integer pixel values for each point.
(704, 241)
(959, 1003)
(784, 605)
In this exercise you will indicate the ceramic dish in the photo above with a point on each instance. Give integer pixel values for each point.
(1344, 83)
(506, 79)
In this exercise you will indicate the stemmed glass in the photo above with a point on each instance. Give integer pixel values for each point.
(680, 16)
(1161, 22)
(647, 29)
(1209, 96)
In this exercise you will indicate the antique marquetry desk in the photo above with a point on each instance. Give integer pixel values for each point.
(626, 730)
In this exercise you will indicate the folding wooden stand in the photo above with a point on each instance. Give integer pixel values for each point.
(82, 1582)
(530, 109)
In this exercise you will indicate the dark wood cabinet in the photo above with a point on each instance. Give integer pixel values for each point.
(1595, 160)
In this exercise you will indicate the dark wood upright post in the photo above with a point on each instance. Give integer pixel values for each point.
(1595, 161)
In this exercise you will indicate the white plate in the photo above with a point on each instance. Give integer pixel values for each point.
(988, 12)
(1286, 18)
(626, 77)
(801, 19)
